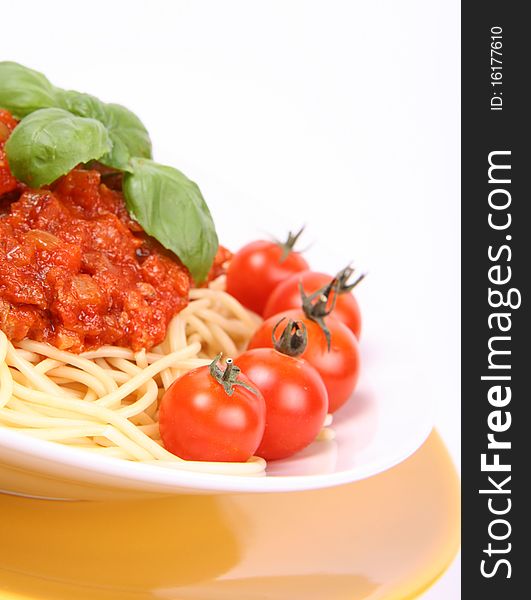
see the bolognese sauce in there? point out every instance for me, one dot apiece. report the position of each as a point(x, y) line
point(76, 271)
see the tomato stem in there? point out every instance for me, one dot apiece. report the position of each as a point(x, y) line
point(229, 367)
point(289, 245)
point(228, 378)
point(293, 340)
point(315, 306)
point(343, 276)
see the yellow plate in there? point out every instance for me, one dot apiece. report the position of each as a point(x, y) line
point(388, 537)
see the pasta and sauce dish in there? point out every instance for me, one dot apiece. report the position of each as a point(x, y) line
point(126, 330)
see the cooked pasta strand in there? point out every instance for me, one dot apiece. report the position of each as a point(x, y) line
point(106, 401)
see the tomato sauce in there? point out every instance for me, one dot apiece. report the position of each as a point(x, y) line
point(7, 182)
point(76, 271)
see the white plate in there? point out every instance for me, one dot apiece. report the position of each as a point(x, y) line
point(387, 419)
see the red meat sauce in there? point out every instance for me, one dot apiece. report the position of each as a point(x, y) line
point(76, 271)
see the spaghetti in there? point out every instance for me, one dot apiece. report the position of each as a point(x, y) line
point(79, 273)
point(106, 400)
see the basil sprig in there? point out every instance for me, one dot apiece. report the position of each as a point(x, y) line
point(60, 129)
point(176, 214)
point(128, 135)
point(50, 142)
point(23, 91)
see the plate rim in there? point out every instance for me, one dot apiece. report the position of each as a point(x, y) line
point(91, 467)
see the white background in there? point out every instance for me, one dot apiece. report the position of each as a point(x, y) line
point(344, 115)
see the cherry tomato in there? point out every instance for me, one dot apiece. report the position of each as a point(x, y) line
point(257, 268)
point(199, 420)
point(295, 396)
point(287, 295)
point(339, 367)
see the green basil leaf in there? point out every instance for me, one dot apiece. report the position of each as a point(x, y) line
point(128, 135)
point(171, 208)
point(50, 142)
point(82, 105)
point(23, 90)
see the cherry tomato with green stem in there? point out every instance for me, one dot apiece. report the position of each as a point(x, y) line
point(257, 268)
point(287, 295)
point(332, 347)
point(295, 395)
point(210, 414)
